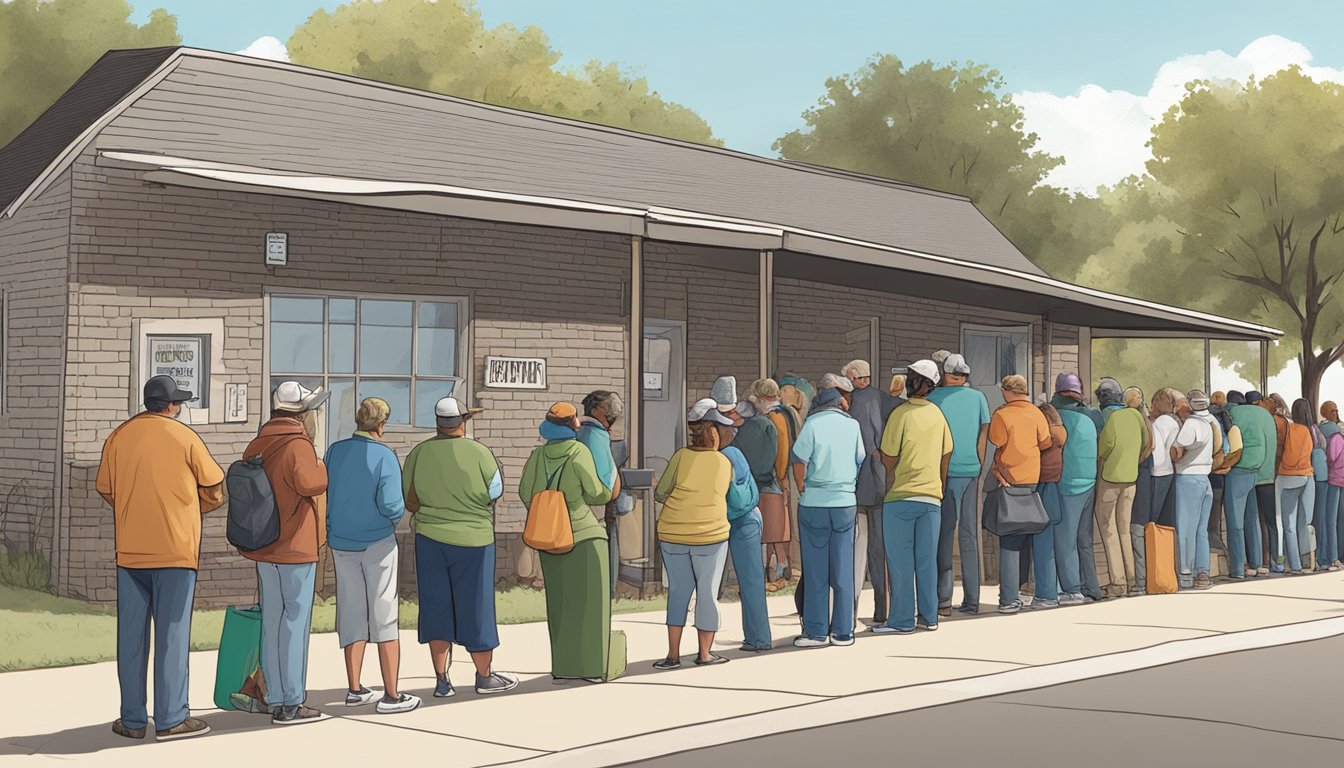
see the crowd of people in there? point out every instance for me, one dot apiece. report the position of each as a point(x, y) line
point(878, 486)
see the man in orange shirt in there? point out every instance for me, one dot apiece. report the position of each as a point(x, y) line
point(1019, 432)
point(159, 479)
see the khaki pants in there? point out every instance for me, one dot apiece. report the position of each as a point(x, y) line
point(1115, 505)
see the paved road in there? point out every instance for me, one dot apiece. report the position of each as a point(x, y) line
point(1253, 708)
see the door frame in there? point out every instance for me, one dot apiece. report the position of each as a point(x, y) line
point(1026, 329)
point(680, 390)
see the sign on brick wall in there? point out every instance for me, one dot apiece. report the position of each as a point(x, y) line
point(187, 360)
point(515, 372)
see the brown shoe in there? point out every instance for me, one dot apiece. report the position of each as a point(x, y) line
point(120, 729)
point(1202, 581)
point(184, 730)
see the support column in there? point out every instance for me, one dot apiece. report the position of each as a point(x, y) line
point(1048, 343)
point(1264, 366)
point(766, 302)
point(1208, 367)
point(1085, 359)
point(634, 366)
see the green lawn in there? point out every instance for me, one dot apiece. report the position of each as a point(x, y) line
point(42, 630)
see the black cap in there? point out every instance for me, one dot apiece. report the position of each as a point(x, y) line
point(165, 389)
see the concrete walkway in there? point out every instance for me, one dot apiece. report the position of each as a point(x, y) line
point(66, 713)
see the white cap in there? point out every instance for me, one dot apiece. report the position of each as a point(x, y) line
point(832, 381)
point(452, 408)
point(956, 364)
point(293, 397)
point(707, 409)
point(926, 368)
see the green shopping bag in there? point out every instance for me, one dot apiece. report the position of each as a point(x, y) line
point(239, 651)
point(616, 655)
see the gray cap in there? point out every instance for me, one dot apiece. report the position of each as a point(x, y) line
point(956, 364)
point(724, 392)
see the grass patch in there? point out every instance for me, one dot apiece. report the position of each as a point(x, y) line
point(38, 629)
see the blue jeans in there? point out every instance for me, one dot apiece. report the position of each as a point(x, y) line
point(1327, 534)
point(1194, 504)
point(1296, 498)
point(911, 532)
point(164, 595)
point(1073, 510)
point(694, 569)
point(1239, 507)
point(286, 620)
point(1043, 545)
point(960, 518)
point(744, 542)
point(1324, 541)
point(828, 570)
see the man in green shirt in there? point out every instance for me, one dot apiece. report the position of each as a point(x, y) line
point(1120, 447)
point(451, 484)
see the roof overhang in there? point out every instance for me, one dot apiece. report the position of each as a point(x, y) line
point(865, 264)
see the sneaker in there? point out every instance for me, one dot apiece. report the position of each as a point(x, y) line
point(713, 659)
point(120, 729)
point(883, 629)
point(1251, 572)
point(1277, 568)
point(1011, 608)
point(360, 697)
point(1094, 598)
point(184, 730)
point(1335, 566)
point(403, 703)
point(842, 640)
point(667, 664)
point(1138, 590)
point(803, 641)
point(1072, 598)
point(1262, 571)
point(496, 682)
point(295, 715)
point(252, 705)
point(1041, 604)
point(749, 648)
point(926, 626)
point(970, 609)
point(945, 611)
point(443, 689)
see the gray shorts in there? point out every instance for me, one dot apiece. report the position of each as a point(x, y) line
point(366, 593)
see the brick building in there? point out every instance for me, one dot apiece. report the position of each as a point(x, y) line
point(140, 226)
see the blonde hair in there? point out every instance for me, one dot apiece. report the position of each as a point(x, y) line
point(1014, 383)
point(1134, 399)
point(762, 388)
point(897, 387)
point(373, 412)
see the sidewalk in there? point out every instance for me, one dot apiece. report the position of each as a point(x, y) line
point(66, 713)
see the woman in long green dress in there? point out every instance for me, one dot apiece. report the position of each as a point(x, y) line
point(578, 601)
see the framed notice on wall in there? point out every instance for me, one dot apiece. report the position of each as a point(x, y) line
point(515, 372)
point(186, 359)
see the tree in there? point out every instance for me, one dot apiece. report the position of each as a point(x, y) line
point(445, 47)
point(951, 128)
point(45, 45)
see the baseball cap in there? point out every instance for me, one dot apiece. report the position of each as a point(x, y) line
point(165, 388)
point(1198, 400)
point(926, 368)
point(1069, 382)
point(956, 365)
point(452, 408)
point(707, 409)
point(293, 397)
point(562, 412)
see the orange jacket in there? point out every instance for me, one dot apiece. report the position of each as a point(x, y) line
point(299, 481)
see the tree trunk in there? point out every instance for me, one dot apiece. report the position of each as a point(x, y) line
point(1313, 369)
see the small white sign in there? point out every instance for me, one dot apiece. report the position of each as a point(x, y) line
point(184, 358)
point(235, 403)
point(515, 372)
point(277, 249)
point(653, 381)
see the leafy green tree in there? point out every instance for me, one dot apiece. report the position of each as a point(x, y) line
point(445, 47)
point(45, 45)
point(951, 128)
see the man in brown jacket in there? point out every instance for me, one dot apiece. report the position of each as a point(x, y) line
point(286, 569)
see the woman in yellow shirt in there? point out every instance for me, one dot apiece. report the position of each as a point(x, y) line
point(693, 532)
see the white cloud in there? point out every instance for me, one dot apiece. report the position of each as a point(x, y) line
point(266, 48)
point(1102, 134)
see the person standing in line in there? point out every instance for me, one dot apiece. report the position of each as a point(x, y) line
point(1334, 453)
point(940, 359)
point(693, 533)
point(1196, 448)
point(869, 407)
point(1074, 559)
point(758, 439)
point(1218, 409)
point(1324, 554)
point(286, 569)
point(897, 390)
point(1020, 433)
point(159, 479)
point(830, 448)
point(1330, 513)
point(452, 484)
point(967, 414)
point(1266, 500)
point(744, 537)
point(916, 451)
point(601, 409)
point(1254, 425)
point(1295, 486)
point(1121, 446)
point(1045, 560)
point(364, 505)
point(1160, 504)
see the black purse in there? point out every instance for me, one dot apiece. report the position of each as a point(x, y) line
point(1014, 510)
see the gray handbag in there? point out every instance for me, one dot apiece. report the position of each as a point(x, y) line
point(1014, 510)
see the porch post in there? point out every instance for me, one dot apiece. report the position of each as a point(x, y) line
point(1208, 367)
point(1264, 365)
point(634, 366)
point(766, 304)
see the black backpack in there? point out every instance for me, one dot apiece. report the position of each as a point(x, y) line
point(253, 519)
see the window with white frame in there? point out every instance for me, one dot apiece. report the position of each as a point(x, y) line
point(406, 350)
point(993, 352)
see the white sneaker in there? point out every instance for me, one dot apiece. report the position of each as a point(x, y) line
point(803, 641)
point(405, 703)
point(1013, 607)
point(1071, 599)
point(1042, 604)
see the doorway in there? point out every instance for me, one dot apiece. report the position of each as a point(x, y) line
point(993, 352)
point(664, 392)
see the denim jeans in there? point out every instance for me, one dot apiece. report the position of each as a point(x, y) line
point(959, 518)
point(877, 563)
point(911, 531)
point(1073, 509)
point(1238, 507)
point(744, 542)
point(1324, 543)
point(1267, 505)
point(1043, 545)
point(1296, 497)
point(694, 569)
point(1087, 558)
point(828, 568)
point(286, 620)
point(165, 596)
point(1327, 531)
point(1194, 504)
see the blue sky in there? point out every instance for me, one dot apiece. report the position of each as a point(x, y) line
point(750, 67)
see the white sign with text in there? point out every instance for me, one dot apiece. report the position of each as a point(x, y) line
point(515, 372)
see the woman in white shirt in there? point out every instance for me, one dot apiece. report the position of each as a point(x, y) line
point(1194, 447)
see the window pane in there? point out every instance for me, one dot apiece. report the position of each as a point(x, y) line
point(436, 345)
point(397, 393)
point(427, 393)
point(341, 348)
point(393, 313)
point(296, 347)
point(385, 338)
point(434, 314)
point(341, 310)
point(285, 309)
point(341, 410)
